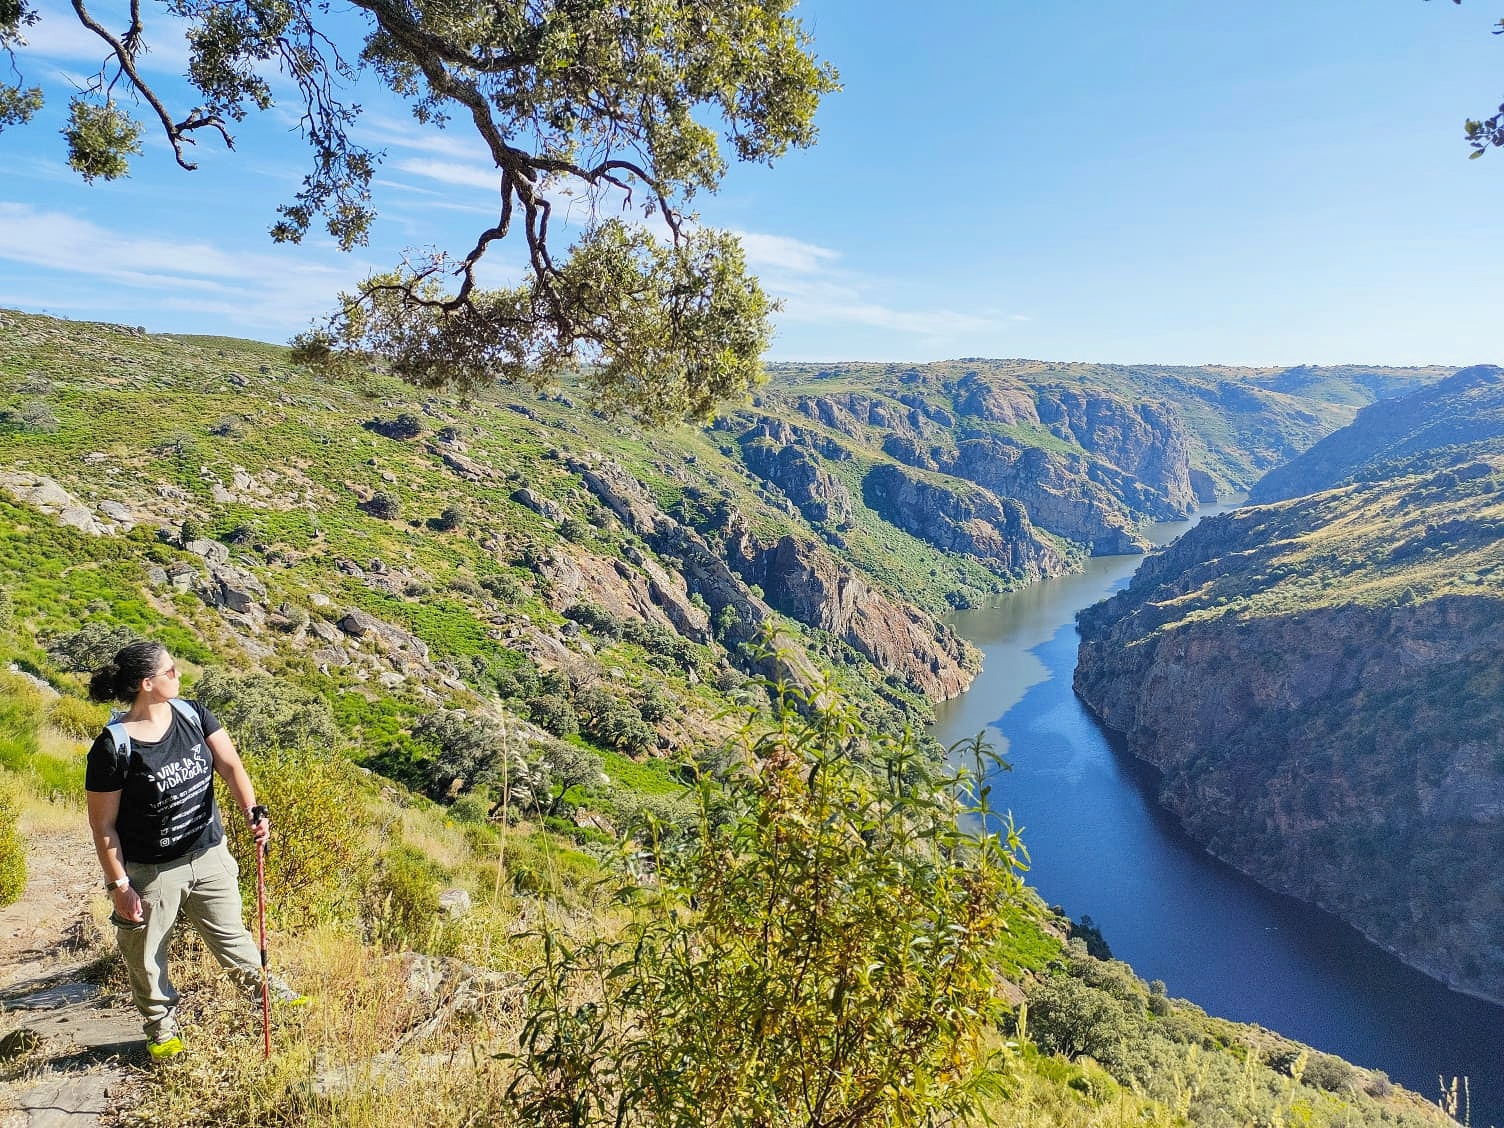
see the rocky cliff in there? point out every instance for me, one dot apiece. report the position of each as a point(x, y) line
point(1319, 684)
point(966, 519)
point(1464, 410)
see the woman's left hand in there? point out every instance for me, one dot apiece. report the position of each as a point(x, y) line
point(261, 829)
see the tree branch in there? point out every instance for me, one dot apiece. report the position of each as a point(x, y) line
point(125, 54)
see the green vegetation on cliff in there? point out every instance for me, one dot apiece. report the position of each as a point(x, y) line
point(544, 631)
point(1319, 680)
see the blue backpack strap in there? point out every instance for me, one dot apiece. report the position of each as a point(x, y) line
point(186, 710)
point(122, 739)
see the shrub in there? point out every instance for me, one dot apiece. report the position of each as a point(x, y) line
point(466, 586)
point(402, 904)
point(263, 713)
point(470, 752)
point(825, 932)
point(450, 519)
point(1330, 1073)
point(1065, 1016)
point(7, 610)
point(403, 428)
point(77, 718)
point(505, 588)
point(12, 849)
point(88, 649)
point(383, 505)
point(318, 860)
point(551, 711)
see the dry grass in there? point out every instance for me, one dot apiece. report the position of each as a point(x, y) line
point(356, 1057)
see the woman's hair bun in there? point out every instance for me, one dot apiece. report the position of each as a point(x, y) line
point(102, 682)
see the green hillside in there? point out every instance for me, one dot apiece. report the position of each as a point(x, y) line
point(511, 648)
point(1319, 679)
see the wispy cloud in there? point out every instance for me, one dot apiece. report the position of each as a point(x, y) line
point(779, 252)
point(59, 35)
point(130, 273)
point(451, 172)
point(815, 289)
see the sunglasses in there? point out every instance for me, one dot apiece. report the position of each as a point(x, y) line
point(170, 672)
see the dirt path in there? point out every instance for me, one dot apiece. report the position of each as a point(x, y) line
point(69, 1050)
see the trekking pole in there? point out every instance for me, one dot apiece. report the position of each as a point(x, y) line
point(266, 991)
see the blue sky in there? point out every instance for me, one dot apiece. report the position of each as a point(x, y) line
point(1237, 182)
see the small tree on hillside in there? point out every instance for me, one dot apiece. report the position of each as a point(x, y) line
point(820, 951)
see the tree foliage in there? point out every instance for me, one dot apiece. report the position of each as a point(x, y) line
point(1488, 133)
point(818, 951)
point(263, 713)
point(12, 848)
point(606, 109)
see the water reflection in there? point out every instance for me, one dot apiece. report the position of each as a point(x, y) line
point(1102, 846)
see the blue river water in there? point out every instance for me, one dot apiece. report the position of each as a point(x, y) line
point(1101, 846)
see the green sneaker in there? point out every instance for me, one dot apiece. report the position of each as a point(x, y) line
point(290, 1000)
point(166, 1048)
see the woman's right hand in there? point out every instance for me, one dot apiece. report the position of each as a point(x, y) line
point(127, 903)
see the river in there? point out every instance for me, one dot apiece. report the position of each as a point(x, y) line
point(1102, 847)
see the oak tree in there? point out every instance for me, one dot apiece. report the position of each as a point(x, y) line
point(628, 105)
point(1489, 132)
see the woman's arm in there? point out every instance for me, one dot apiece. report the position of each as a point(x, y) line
point(104, 809)
point(230, 768)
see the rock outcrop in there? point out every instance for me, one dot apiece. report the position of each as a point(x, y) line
point(1344, 752)
point(807, 583)
point(996, 531)
point(1144, 440)
point(773, 452)
point(800, 579)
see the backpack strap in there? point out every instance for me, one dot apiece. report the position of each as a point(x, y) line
point(186, 710)
point(122, 739)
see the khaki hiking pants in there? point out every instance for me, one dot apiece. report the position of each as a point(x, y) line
point(204, 887)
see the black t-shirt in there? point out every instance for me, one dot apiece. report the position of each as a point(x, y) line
point(167, 804)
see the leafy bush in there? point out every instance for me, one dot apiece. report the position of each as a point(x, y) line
point(264, 713)
point(450, 519)
point(403, 428)
point(77, 718)
point(506, 589)
point(318, 860)
point(624, 729)
point(825, 933)
point(552, 711)
point(469, 752)
point(383, 505)
point(1068, 1017)
point(402, 905)
point(12, 849)
point(89, 648)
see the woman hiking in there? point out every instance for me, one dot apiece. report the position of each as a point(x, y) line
point(156, 827)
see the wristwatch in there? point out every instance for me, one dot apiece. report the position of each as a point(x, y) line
point(118, 883)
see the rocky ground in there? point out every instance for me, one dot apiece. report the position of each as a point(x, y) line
point(71, 1050)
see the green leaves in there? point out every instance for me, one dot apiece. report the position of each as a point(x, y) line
point(662, 330)
point(821, 951)
point(619, 107)
point(18, 105)
point(101, 138)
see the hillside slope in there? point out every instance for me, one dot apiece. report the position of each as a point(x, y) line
point(1433, 426)
point(1319, 681)
point(443, 572)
